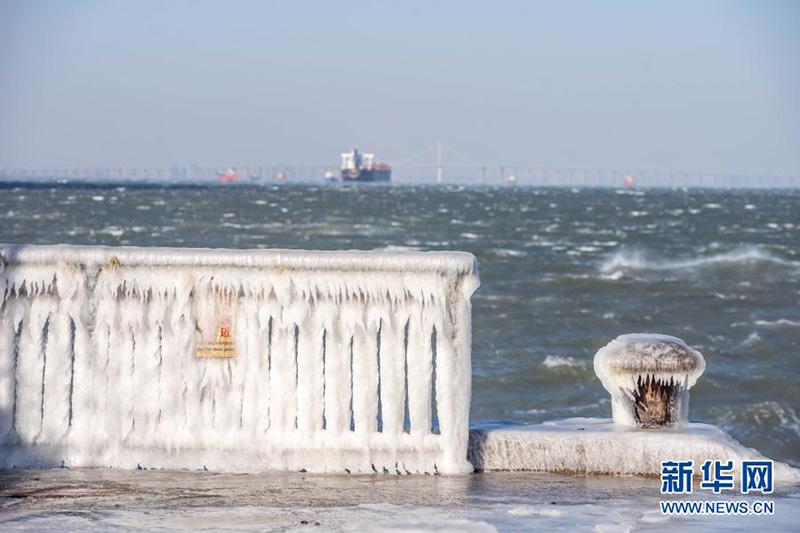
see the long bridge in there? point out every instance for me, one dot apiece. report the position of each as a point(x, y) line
point(439, 163)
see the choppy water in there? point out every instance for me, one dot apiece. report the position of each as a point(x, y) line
point(563, 272)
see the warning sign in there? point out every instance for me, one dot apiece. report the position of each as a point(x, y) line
point(214, 333)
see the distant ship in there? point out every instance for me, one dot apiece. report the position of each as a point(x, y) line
point(629, 181)
point(362, 167)
point(228, 176)
point(330, 176)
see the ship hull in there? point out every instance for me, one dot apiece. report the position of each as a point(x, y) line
point(365, 175)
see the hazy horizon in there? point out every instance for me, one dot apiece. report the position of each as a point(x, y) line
point(687, 86)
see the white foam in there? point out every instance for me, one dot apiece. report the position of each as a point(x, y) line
point(639, 260)
point(753, 338)
point(764, 415)
point(781, 322)
point(507, 252)
point(555, 361)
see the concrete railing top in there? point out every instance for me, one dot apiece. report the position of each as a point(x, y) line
point(457, 263)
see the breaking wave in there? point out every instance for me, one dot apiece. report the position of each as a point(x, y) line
point(744, 255)
point(555, 361)
point(761, 416)
point(508, 252)
point(781, 322)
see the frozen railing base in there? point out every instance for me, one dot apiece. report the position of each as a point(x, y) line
point(315, 460)
point(235, 359)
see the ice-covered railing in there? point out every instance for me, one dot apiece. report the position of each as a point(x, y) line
point(235, 359)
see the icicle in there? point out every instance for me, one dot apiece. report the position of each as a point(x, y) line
point(184, 400)
point(252, 355)
point(419, 372)
point(170, 394)
point(57, 376)
point(7, 362)
point(30, 368)
point(123, 360)
point(14, 313)
point(262, 408)
point(228, 420)
point(282, 378)
point(365, 375)
point(147, 370)
point(392, 371)
point(104, 324)
point(84, 358)
point(334, 368)
point(309, 376)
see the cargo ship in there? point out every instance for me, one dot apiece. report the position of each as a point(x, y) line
point(357, 166)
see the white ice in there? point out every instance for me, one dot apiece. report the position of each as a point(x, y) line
point(600, 446)
point(334, 367)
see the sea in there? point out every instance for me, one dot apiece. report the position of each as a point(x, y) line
point(563, 271)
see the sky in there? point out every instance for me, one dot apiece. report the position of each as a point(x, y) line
point(706, 86)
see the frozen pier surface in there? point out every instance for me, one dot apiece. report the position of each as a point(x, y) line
point(600, 446)
point(93, 499)
point(235, 359)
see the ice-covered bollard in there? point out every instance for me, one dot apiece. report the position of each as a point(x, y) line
point(649, 377)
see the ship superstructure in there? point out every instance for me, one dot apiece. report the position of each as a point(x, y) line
point(358, 166)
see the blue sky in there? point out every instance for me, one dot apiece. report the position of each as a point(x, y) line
point(702, 86)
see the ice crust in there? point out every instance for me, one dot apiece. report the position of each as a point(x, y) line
point(338, 358)
point(631, 359)
point(601, 446)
